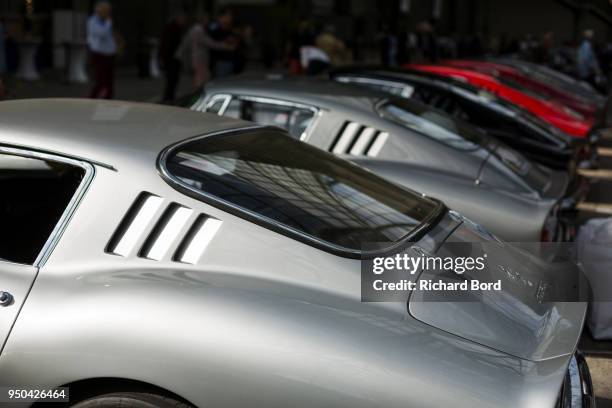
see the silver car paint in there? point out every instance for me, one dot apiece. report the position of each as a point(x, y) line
point(513, 216)
point(239, 328)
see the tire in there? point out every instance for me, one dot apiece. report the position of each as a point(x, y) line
point(130, 400)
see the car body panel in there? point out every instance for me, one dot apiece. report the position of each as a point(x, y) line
point(585, 107)
point(16, 281)
point(557, 79)
point(515, 126)
point(351, 104)
point(555, 114)
point(260, 319)
point(459, 192)
point(523, 320)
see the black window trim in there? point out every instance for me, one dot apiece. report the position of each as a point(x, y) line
point(75, 200)
point(414, 235)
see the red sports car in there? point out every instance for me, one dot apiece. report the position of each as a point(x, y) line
point(555, 113)
point(514, 77)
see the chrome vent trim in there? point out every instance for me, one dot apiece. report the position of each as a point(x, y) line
point(197, 239)
point(358, 140)
point(152, 232)
point(134, 224)
point(165, 232)
point(378, 144)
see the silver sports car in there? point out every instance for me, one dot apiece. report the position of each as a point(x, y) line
point(157, 257)
point(412, 144)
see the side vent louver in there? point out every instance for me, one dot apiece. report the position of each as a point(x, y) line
point(197, 239)
point(175, 232)
point(358, 140)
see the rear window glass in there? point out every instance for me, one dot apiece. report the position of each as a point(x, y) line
point(303, 189)
point(433, 123)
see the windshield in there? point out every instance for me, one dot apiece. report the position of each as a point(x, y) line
point(299, 188)
point(433, 123)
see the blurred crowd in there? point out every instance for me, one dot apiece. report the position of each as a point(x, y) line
point(206, 46)
point(586, 59)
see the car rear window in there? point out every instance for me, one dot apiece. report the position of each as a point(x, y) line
point(267, 176)
point(432, 123)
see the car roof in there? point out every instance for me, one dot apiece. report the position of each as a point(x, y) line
point(312, 91)
point(381, 72)
point(103, 131)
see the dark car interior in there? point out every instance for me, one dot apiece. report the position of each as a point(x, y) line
point(35, 194)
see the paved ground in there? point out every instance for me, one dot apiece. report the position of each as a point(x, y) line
point(130, 87)
point(127, 87)
point(601, 372)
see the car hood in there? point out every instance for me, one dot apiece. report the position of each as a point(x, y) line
point(532, 317)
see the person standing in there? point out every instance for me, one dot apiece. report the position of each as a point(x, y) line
point(221, 30)
point(195, 48)
point(301, 37)
point(3, 68)
point(103, 48)
point(332, 46)
point(588, 66)
point(171, 65)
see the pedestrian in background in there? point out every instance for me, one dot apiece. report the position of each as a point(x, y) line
point(588, 66)
point(302, 36)
point(3, 66)
point(103, 48)
point(170, 42)
point(195, 48)
point(332, 46)
point(222, 31)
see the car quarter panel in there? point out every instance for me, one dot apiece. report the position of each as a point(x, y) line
point(337, 111)
point(261, 319)
point(502, 213)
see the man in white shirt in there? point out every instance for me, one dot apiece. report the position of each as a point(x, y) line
point(103, 47)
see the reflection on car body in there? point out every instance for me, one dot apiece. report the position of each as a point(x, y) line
point(193, 260)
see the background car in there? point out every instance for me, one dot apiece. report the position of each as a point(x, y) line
point(177, 259)
point(508, 75)
point(554, 78)
point(414, 145)
point(558, 115)
point(515, 126)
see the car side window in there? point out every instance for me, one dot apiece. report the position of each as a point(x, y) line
point(234, 109)
point(35, 195)
point(215, 106)
point(293, 119)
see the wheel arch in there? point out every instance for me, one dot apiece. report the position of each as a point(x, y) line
point(86, 388)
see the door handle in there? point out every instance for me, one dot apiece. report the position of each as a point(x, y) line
point(5, 298)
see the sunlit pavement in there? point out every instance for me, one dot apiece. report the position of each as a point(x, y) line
point(601, 368)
